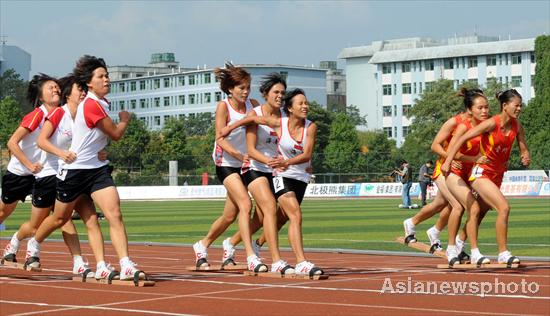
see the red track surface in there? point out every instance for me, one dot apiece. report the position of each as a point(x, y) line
point(354, 288)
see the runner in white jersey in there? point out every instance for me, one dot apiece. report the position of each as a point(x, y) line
point(258, 175)
point(43, 92)
point(296, 142)
point(87, 174)
point(229, 155)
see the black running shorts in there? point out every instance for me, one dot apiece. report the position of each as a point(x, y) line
point(83, 181)
point(44, 192)
point(16, 188)
point(224, 172)
point(251, 175)
point(293, 185)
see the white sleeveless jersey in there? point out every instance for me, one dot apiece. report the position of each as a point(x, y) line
point(32, 122)
point(289, 148)
point(61, 138)
point(237, 138)
point(88, 139)
point(266, 143)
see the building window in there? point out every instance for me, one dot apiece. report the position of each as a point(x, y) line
point(156, 83)
point(142, 103)
point(406, 110)
point(157, 102)
point(406, 130)
point(429, 65)
point(414, 88)
point(474, 81)
point(122, 87)
point(420, 87)
point(406, 67)
point(284, 74)
point(121, 103)
point(386, 110)
point(181, 99)
point(157, 120)
point(406, 88)
point(472, 62)
point(133, 86)
point(167, 82)
point(218, 96)
point(125, 76)
point(386, 68)
point(448, 63)
point(207, 78)
point(166, 118)
point(207, 97)
point(133, 104)
point(181, 80)
point(533, 60)
point(142, 85)
point(191, 99)
point(166, 101)
point(516, 59)
point(516, 81)
point(532, 80)
point(191, 79)
point(386, 89)
point(491, 60)
point(336, 86)
point(429, 85)
point(387, 131)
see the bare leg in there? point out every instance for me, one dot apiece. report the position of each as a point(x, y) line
point(85, 207)
point(221, 224)
point(289, 204)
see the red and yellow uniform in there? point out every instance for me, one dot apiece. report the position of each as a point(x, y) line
point(470, 148)
point(441, 160)
point(497, 148)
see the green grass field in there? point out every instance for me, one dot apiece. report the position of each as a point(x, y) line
point(366, 224)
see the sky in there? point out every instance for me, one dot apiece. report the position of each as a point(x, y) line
point(206, 33)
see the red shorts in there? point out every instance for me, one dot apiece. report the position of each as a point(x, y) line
point(463, 173)
point(478, 172)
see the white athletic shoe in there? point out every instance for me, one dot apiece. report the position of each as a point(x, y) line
point(434, 238)
point(452, 254)
point(103, 271)
point(32, 259)
point(255, 264)
point(409, 229)
point(80, 267)
point(10, 252)
point(306, 267)
point(128, 270)
point(479, 259)
point(201, 255)
point(459, 244)
point(506, 256)
point(228, 252)
point(282, 267)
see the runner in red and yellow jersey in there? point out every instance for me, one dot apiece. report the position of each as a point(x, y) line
point(498, 136)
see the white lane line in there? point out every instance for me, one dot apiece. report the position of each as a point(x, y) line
point(88, 307)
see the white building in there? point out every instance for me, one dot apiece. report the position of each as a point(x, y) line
point(384, 79)
point(155, 98)
point(13, 57)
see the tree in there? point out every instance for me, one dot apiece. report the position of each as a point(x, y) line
point(126, 153)
point(10, 117)
point(342, 151)
point(535, 116)
point(435, 106)
point(355, 116)
point(175, 141)
point(199, 124)
point(380, 154)
point(11, 85)
point(322, 119)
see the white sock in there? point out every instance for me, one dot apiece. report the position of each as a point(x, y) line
point(459, 241)
point(14, 240)
point(77, 259)
point(435, 230)
point(476, 253)
point(451, 248)
point(410, 223)
point(124, 261)
point(504, 253)
point(100, 264)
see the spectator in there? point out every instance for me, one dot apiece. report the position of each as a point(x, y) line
point(406, 179)
point(424, 179)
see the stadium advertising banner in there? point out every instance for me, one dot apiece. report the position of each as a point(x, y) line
point(525, 176)
point(328, 190)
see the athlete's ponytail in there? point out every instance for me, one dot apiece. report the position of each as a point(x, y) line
point(34, 91)
point(506, 96)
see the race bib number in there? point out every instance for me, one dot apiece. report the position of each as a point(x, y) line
point(278, 183)
point(61, 174)
point(477, 172)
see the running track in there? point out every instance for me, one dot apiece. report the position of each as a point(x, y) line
point(354, 288)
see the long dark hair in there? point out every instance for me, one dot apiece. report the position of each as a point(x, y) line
point(34, 91)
